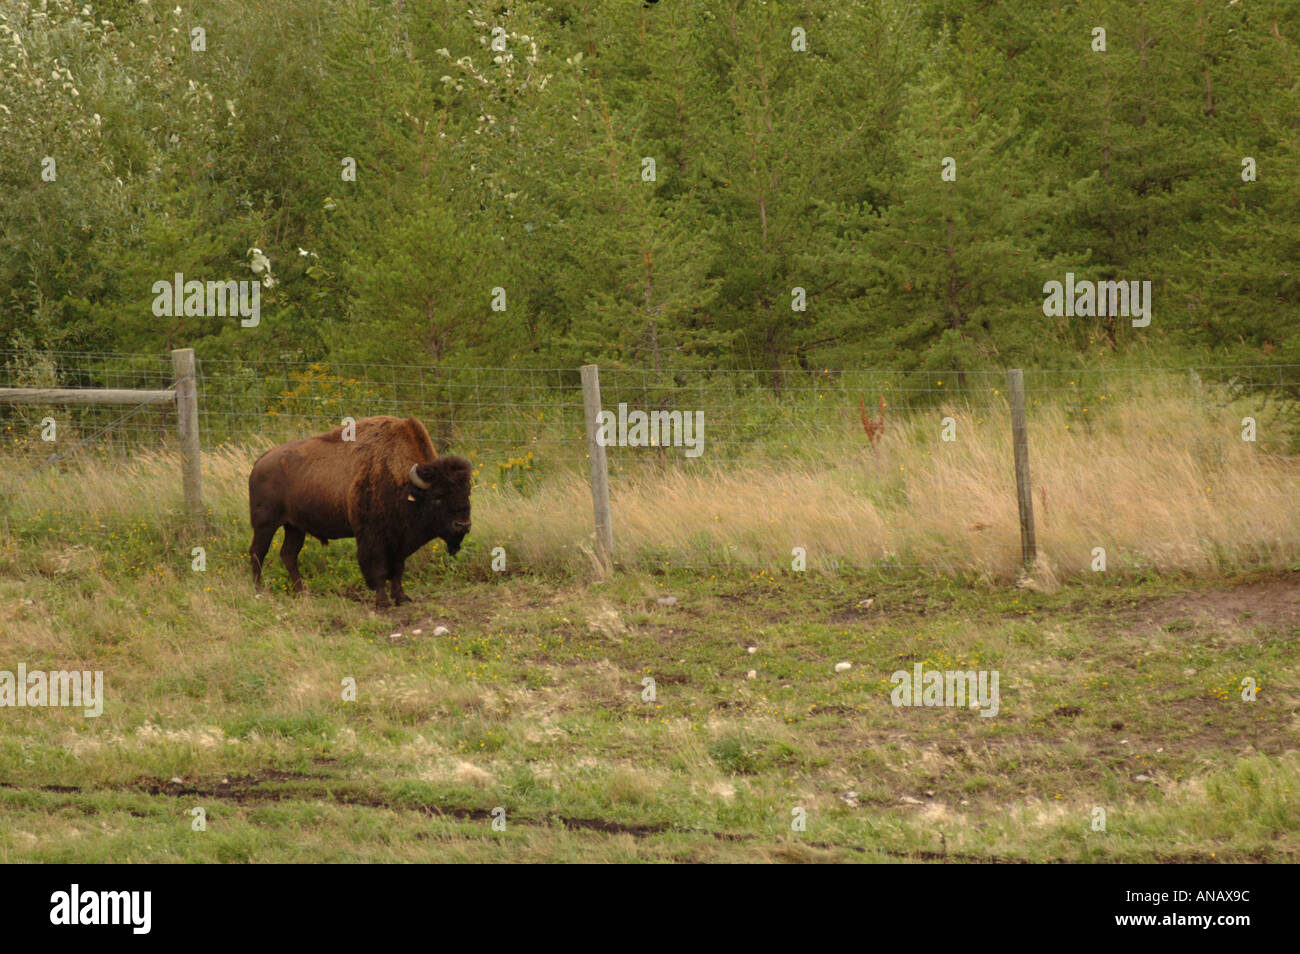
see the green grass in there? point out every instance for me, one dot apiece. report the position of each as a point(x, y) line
point(1119, 691)
point(1119, 694)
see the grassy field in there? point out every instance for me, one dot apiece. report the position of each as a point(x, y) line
point(1119, 697)
point(1119, 691)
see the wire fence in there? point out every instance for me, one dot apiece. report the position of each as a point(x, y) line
point(498, 415)
point(521, 425)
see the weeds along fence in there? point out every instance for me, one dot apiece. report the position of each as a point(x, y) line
point(869, 467)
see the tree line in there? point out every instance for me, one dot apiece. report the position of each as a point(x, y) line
point(705, 184)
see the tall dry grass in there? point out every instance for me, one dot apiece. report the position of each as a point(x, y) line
point(1159, 480)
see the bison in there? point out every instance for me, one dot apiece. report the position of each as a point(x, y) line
point(387, 487)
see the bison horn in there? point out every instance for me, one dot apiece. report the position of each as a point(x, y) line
point(415, 478)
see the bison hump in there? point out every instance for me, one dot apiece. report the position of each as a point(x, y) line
point(400, 443)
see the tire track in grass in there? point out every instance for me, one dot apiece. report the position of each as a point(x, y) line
point(243, 790)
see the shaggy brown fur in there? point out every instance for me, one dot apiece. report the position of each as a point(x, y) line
point(328, 487)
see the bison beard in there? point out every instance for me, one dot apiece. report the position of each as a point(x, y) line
point(388, 488)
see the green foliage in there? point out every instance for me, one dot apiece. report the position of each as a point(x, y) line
point(506, 148)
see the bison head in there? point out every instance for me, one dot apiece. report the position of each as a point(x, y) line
point(439, 492)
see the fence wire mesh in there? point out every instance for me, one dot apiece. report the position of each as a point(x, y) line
point(522, 425)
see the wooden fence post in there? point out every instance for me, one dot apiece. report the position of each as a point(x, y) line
point(599, 469)
point(1024, 494)
point(187, 416)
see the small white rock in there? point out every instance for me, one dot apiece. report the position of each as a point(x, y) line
point(751, 649)
point(752, 674)
point(416, 632)
point(843, 666)
point(667, 601)
point(441, 631)
point(176, 781)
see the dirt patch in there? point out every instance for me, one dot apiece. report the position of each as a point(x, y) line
point(885, 607)
point(663, 635)
point(1271, 604)
point(236, 788)
point(673, 678)
point(261, 788)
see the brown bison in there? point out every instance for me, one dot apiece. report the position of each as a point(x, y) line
point(388, 488)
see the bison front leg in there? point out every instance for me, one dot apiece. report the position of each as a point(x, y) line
point(374, 568)
point(395, 583)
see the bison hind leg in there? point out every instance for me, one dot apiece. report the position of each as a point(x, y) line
point(262, 537)
point(293, 541)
